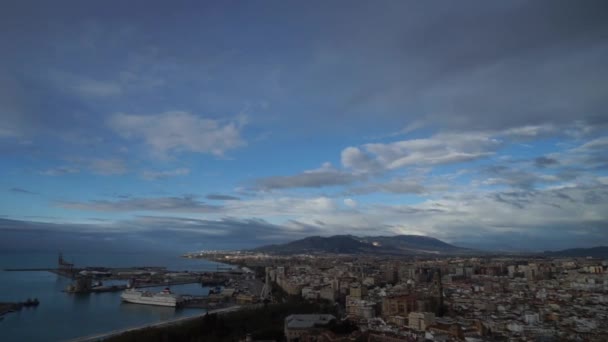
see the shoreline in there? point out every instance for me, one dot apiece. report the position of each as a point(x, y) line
point(106, 335)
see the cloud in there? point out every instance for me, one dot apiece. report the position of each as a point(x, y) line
point(394, 186)
point(560, 217)
point(544, 161)
point(349, 202)
point(154, 175)
point(17, 190)
point(355, 159)
point(518, 178)
point(174, 132)
point(324, 176)
point(590, 156)
point(165, 233)
point(185, 203)
point(444, 148)
point(221, 197)
point(60, 171)
point(230, 229)
point(107, 167)
point(8, 132)
point(85, 86)
point(530, 131)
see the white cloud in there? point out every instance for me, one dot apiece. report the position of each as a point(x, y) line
point(179, 132)
point(153, 175)
point(6, 132)
point(551, 215)
point(355, 159)
point(86, 86)
point(59, 171)
point(108, 167)
point(97, 88)
point(442, 148)
point(530, 131)
point(186, 203)
point(349, 202)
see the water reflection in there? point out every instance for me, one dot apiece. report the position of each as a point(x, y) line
point(163, 312)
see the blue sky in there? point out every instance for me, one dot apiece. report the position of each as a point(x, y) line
point(189, 125)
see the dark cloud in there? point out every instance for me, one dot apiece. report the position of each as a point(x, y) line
point(60, 171)
point(469, 67)
point(186, 203)
point(455, 66)
point(413, 211)
point(221, 197)
point(517, 178)
point(529, 241)
point(148, 232)
point(394, 186)
point(323, 177)
point(517, 199)
point(17, 190)
point(543, 161)
point(250, 231)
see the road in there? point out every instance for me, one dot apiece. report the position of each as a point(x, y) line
point(106, 335)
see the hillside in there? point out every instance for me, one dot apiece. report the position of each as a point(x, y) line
point(348, 244)
point(595, 252)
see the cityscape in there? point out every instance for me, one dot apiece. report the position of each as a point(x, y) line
point(303, 171)
point(448, 298)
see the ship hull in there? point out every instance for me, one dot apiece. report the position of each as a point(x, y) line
point(148, 302)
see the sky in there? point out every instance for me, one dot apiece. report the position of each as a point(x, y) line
point(188, 125)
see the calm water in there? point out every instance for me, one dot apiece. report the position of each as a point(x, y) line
point(62, 316)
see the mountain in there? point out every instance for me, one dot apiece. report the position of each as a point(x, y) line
point(595, 252)
point(349, 244)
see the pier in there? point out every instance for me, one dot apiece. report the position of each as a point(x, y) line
point(68, 273)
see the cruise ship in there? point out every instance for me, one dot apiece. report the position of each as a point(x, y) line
point(163, 298)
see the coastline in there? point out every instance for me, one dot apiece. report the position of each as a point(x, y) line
point(80, 311)
point(106, 335)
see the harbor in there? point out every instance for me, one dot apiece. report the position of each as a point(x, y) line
point(204, 285)
point(92, 279)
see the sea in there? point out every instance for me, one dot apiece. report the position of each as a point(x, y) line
point(62, 316)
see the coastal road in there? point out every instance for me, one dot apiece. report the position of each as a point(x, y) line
point(106, 335)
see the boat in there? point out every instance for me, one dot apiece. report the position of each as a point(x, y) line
point(31, 302)
point(163, 298)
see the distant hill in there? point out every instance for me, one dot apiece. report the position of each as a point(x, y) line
point(595, 252)
point(349, 244)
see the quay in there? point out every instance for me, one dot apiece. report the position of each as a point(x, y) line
point(116, 288)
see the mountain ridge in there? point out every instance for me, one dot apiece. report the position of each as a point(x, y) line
point(595, 252)
point(350, 244)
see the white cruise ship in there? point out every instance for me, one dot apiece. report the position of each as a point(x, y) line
point(163, 298)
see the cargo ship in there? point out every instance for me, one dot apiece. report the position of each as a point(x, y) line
point(163, 298)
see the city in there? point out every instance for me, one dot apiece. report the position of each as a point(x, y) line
point(444, 299)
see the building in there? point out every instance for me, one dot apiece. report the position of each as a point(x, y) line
point(297, 326)
point(420, 320)
point(398, 305)
point(360, 308)
point(357, 291)
point(327, 293)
